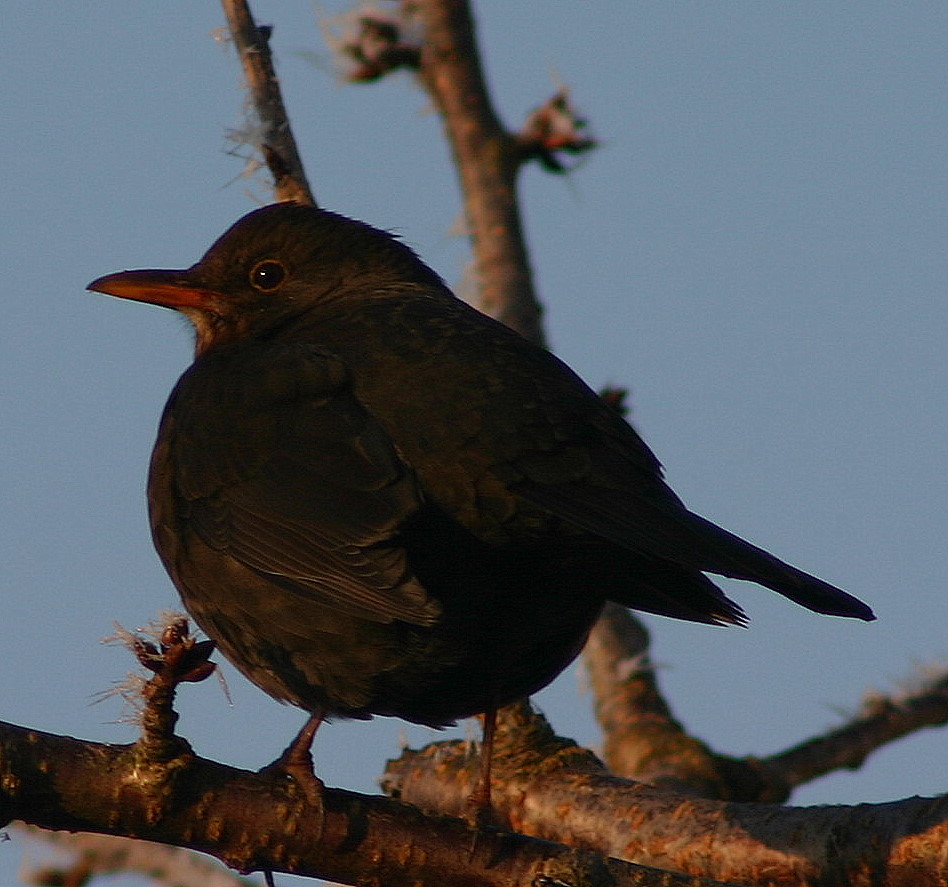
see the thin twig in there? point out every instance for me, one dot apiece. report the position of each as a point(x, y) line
point(644, 741)
point(276, 142)
point(882, 720)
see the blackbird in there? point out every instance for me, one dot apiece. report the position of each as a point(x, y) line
point(379, 501)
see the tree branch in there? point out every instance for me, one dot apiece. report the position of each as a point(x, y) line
point(644, 741)
point(276, 140)
point(487, 160)
point(900, 843)
point(882, 720)
point(256, 822)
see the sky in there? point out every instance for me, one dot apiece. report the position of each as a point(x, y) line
point(757, 251)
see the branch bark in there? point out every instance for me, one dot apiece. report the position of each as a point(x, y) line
point(642, 739)
point(544, 794)
point(255, 822)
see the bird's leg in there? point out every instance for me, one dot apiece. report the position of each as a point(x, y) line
point(297, 761)
point(479, 803)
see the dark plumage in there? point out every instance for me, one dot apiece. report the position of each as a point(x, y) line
point(379, 501)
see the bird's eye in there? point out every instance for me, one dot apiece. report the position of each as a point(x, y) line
point(267, 275)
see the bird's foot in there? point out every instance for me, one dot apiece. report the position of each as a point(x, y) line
point(296, 762)
point(478, 811)
point(480, 816)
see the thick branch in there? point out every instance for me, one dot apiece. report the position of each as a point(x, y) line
point(276, 139)
point(255, 822)
point(487, 159)
point(900, 843)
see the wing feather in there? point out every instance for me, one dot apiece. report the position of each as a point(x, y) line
point(295, 479)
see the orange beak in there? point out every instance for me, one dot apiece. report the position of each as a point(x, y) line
point(172, 289)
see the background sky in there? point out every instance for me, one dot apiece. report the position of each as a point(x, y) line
point(758, 251)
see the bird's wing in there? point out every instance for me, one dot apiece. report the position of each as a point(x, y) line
point(604, 479)
point(592, 469)
point(274, 462)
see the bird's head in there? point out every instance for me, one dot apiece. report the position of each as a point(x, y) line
point(274, 264)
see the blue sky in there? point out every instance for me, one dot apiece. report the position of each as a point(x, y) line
point(757, 250)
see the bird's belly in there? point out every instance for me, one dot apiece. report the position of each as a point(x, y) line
point(498, 639)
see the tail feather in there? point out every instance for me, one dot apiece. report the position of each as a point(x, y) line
point(658, 529)
point(728, 555)
point(669, 589)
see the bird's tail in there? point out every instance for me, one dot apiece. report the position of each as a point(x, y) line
point(728, 555)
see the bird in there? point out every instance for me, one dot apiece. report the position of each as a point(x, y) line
point(377, 500)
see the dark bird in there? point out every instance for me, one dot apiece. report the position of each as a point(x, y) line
point(378, 501)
